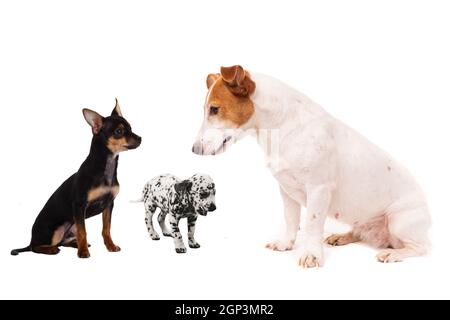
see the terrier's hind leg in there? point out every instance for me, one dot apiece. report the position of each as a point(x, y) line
point(342, 239)
point(409, 233)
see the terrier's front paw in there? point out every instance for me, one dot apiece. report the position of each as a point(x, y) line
point(180, 250)
point(311, 257)
point(281, 245)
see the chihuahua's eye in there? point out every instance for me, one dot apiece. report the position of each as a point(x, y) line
point(213, 110)
point(204, 195)
point(118, 132)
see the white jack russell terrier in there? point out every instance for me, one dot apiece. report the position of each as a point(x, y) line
point(319, 163)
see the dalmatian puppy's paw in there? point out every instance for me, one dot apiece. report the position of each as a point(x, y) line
point(154, 236)
point(181, 250)
point(194, 245)
point(168, 234)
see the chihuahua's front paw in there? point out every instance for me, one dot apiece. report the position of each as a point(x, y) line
point(109, 244)
point(280, 245)
point(311, 258)
point(180, 250)
point(113, 248)
point(83, 253)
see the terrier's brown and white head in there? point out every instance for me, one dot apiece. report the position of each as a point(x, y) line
point(228, 110)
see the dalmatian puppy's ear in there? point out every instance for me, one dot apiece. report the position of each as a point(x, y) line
point(183, 187)
point(180, 197)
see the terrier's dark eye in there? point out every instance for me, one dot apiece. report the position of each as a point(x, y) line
point(204, 195)
point(213, 110)
point(118, 132)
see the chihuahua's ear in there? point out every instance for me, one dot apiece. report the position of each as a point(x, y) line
point(211, 79)
point(94, 119)
point(117, 111)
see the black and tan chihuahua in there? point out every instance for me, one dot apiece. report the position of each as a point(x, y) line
point(86, 193)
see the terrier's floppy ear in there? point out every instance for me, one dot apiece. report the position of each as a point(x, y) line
point(117, 111)
point(234, 76)
point(237, 80)
point(211, 79)
point(183, 186)
point(94, 119)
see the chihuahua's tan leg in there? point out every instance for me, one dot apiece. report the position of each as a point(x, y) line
point(106, 232)
point(83, 251)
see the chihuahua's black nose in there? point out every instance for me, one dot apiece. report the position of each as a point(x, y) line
point(138, 140)
point(212, 207)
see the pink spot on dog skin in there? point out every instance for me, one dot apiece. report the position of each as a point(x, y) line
point(389, 168)
point(337, 215)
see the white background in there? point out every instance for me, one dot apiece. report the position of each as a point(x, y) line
point(382, 67)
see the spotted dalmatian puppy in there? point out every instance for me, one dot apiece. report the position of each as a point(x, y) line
point(178, 199)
